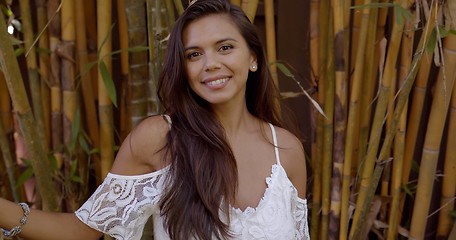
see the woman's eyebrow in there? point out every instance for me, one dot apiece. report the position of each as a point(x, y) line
point(218, 42)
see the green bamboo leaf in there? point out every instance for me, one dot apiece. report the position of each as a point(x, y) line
point(432, 41)
point(398, 15)
point(94, 151)
point(108, 82)
point(401, 14)
point(75, 131)
point(19, 51)
point(52, 162)
point(284, 69)
point(73, 168)
point(84, 145)
point(76, 179)
point(452, 31)
point(26, 175)
point(408, 191)
point(6, 11)
point(41, 50)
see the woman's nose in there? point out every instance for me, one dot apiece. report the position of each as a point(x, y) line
point(212, 63)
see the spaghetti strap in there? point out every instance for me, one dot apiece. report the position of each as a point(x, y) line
point(168, 120)
point(274, 139)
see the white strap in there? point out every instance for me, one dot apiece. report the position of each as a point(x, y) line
point(168, 119)
point(274, 139)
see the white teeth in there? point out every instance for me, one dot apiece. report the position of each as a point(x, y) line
point(217, 82)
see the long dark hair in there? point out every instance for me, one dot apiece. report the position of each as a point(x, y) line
point(203, 171)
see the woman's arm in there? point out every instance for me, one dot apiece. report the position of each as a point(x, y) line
point(138, 154)
point(45, 225)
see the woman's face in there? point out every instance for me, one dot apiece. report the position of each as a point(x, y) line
point(217, 59)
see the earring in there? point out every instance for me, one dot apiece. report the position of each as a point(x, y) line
point(253, 67)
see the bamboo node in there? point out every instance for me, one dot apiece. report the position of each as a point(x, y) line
point(384, 161)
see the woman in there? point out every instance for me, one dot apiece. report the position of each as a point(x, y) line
point(199, 170)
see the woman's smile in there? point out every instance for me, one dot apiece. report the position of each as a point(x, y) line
point(216, 82)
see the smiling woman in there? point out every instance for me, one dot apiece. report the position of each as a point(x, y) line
point(218, 60)
point(219, 164)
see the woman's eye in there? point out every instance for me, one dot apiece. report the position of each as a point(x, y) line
point(193, 55)
point(225, 47)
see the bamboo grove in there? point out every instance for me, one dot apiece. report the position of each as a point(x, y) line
point(382, 162)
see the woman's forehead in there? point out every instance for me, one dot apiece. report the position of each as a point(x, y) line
point(214, 27)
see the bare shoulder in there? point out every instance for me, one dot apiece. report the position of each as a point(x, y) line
point(140, 152)
point(293, 159)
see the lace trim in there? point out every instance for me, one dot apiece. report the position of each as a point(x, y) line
point(269, 182)
point(302, 227)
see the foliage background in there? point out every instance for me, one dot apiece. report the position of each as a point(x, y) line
point(77, 75)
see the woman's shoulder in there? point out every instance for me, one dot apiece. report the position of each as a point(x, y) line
point(292, 157)
point(142, 150)
point(287, 140)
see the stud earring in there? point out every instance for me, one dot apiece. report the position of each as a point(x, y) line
point(254, 67)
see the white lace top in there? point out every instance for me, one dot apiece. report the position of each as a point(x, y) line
point(121, 205)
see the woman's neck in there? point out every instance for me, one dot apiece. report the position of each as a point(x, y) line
point(235, 119)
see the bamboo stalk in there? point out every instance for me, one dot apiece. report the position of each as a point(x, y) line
point(250, 8)
point(54, 80)
point(87, 92)
point(377, 125)
point(69, 97)
point(449, 178)
point(158, 24)
point(236, 2)
point(328, 129)
point(170, 11)
point(340, 113)
point(356, 16)
point(32, 69)
point(436, 124)
point(104, 102)
point(125, 111)
point(5, 106)
point(386, 147)
point(416, 108)
point(317, 119)
point(406, 56)
point(375, 49)
point(139, 67)
point(353, 119)
point(18, 95)
point(179, 6)
point(271, 38)
point(4, 144)
point(90, 15)
point(44, 63)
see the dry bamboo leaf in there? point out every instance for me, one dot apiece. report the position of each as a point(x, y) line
point(285, 70)
point(402, 231)
point(380, 224)
point(371, 216)
point(285, 95)
point(450, 14)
